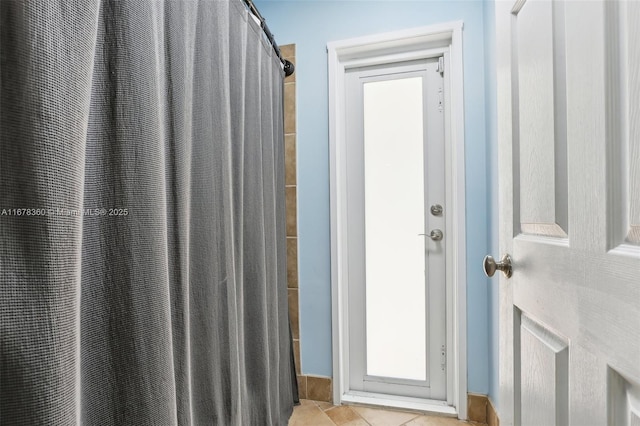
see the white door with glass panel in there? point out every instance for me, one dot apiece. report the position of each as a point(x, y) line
point(396, 229)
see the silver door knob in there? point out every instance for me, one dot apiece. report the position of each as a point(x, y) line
point(491, 266)
point(436, 235)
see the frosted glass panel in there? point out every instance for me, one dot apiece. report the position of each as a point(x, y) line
point(394, 216)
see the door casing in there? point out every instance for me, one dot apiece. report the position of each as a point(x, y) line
point(401, 46)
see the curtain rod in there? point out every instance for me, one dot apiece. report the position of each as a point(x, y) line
point(287, 65)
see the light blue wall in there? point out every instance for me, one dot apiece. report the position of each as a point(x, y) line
point(310, 25)
point(491, 112)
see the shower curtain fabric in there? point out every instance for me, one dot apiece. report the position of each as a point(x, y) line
point(142, 234)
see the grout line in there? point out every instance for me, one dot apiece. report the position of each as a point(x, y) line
point(410, 420)
point(322, 411)
point(358, 414)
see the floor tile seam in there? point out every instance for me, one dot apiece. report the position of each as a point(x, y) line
point(315, 406)
point(349, 407)
point(389, 411)
point(410, 420)
point(359, 415)
point(324, 412)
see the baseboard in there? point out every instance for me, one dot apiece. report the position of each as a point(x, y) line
point(480, 409)
point(316, 388)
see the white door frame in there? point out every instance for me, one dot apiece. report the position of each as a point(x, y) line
point(419, 43)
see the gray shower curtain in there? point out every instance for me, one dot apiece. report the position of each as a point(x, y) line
point(142, 242)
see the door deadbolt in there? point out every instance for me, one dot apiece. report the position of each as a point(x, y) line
point(436, 210)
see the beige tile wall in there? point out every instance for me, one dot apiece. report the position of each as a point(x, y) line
point(311, 387)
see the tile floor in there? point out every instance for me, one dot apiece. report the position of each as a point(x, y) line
point(313, 413)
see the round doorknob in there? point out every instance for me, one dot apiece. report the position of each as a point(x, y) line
point(436, 235)
point(491, 266)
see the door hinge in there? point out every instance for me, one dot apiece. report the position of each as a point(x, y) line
point(443, 359)
point(441, 65)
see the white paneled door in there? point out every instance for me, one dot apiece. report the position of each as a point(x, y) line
point(569, 158)
point(396, 229)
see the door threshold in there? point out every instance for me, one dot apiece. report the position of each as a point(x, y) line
point(427, 406)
